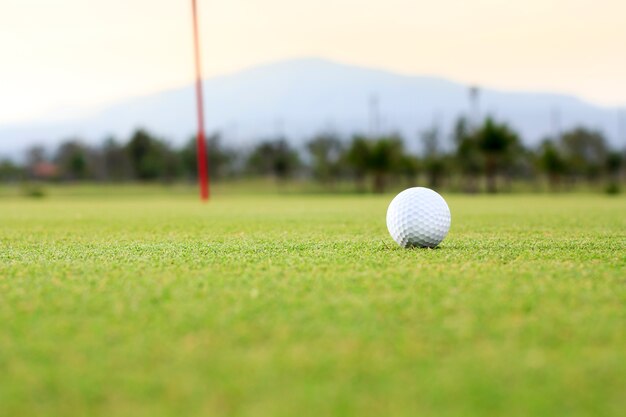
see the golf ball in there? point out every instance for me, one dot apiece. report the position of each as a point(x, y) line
point(418, 216)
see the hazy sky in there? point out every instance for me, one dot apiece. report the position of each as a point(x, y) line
point(59, 58)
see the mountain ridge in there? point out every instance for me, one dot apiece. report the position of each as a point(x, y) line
point(299, 97)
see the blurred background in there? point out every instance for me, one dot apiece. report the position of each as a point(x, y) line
point(332, 95)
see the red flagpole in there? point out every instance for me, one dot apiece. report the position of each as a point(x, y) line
point(203, 171)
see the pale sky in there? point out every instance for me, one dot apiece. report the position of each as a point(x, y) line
point(63, 57)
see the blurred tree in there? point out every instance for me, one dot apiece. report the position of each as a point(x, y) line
point(357, 157)
point(551, 163)
point(116, 161)
point(379, 158)
point(35, 155)
point(221, 160)
point(468, 157)
point(434, 160)
point(517, 163)
point(326, 152)
point(10, 171)
point(385, 159)
point(496, 141)
point(172, 165)
point(409, 168)
point(274, 157)
point(38, 164)
point(147, 156)
point(71, 158)
point(614, 161)
point(585, 152)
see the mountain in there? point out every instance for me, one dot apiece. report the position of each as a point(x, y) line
point(301, 97)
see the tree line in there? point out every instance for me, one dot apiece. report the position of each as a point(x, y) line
point(487, 157)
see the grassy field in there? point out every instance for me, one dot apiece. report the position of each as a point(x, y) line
point(155, 305)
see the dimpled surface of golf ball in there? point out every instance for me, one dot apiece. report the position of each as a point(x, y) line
point(418, 217)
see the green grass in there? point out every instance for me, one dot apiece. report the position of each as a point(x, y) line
point(155, 305)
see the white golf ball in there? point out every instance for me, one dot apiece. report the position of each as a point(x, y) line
point(418, 217)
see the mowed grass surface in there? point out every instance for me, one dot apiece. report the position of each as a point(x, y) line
point(157, 305)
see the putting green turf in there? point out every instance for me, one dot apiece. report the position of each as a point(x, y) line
point(155, 305)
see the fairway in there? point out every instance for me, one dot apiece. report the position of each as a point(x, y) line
point(301, 305)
